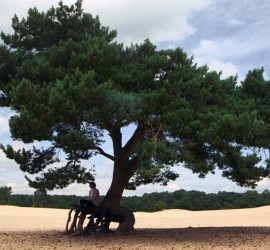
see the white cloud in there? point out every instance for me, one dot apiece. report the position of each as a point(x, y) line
point(209, 49)
point(205, 47)
point(138, 20)
point(228, 69)
point(21, 187)
point(76, 189)
point(265, 75)
point(12, 185)
point(226, 49)
point(4, 117)
point(4, 124)
point(5, 163)
point(235, 22)
point(229, 188)
point(211, 53)
point(135, 21)
point(264, 184)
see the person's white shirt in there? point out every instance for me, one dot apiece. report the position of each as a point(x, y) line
point(94, 196)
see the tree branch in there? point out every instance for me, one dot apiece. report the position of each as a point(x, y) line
point(138, 133)
point(101, 151)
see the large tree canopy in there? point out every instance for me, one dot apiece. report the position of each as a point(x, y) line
point(70, 84)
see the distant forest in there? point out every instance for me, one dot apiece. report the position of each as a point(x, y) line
point(182, 199)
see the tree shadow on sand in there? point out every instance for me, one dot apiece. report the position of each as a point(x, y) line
point(148, 238)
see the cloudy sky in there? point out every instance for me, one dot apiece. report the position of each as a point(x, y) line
point(231, 36)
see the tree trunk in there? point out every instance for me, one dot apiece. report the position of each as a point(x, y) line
point(122, 172)
point(111, 203)
point(120, 179)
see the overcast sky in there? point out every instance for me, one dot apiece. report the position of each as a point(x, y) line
point(231, 36)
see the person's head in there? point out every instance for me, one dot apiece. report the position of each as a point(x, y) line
point(92, 184)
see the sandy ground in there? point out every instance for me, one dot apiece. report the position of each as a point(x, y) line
point(39, 228)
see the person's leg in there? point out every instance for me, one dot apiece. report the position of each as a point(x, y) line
point(83, 205)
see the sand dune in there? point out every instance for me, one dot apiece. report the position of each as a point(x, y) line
point(41, 228)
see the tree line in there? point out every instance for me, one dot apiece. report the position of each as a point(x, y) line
point(181, 199)
point(196, 200)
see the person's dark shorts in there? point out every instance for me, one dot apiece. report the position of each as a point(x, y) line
point(86, 204)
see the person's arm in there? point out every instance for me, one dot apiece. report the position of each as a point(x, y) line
point(89, 195)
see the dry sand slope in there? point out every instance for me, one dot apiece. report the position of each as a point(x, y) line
point(39, 228)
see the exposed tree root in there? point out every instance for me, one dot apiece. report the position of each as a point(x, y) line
point(103, 217)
